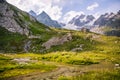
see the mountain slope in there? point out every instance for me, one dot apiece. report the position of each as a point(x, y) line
point(17, 27)
point(81, 21)
point(17, 21)
point(108, 24)
point(111, 20)
point(45, 19)
point(32, 13)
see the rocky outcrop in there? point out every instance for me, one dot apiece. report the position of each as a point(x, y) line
point(13, 19)
point(27, 46)
point(57, 41)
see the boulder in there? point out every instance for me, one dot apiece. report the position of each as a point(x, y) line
point(57, 41)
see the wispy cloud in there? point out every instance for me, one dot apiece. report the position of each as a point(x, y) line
point(93, 6)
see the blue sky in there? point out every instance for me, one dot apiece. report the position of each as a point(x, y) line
point(64, 10)
point(81, 5)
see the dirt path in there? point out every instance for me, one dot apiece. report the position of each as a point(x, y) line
point(63, 70)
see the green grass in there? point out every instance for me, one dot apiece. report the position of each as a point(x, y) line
point(10, 42)
point(93, 75)
point(95, 51)
point(9, 68)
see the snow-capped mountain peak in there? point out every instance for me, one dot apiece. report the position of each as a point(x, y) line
point(82, 20)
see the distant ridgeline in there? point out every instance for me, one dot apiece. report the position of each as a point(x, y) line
point(108, 23)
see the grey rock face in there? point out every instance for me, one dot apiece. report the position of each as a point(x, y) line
point(32, 18)
point(27, 46)
point(12, 19)
point(57, 41)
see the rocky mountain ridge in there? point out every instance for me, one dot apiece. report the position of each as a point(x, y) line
point(108, 23)
point(12, 19)
point(81, 20)
point(109, 19)
point(45, 19)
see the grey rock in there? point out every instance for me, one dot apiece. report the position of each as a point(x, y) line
point(32, 18)
point(12, 19)
point(7, 20)
point(27, 46)
point(57, 41)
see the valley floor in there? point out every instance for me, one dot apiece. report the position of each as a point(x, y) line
point(35, 67)
point(65, 71)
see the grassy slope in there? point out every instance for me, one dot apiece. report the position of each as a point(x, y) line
point(10, 42)
point(101, 49)
point(14, 42)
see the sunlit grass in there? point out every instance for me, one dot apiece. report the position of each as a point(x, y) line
point(95, 75)
point(9, 68)
point(7, 65)
point(95, 51)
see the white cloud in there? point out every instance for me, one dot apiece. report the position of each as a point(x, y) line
point(55, 12)
point(69, 15)
point(70, 26)
point(56, 1)
point(93, 6)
